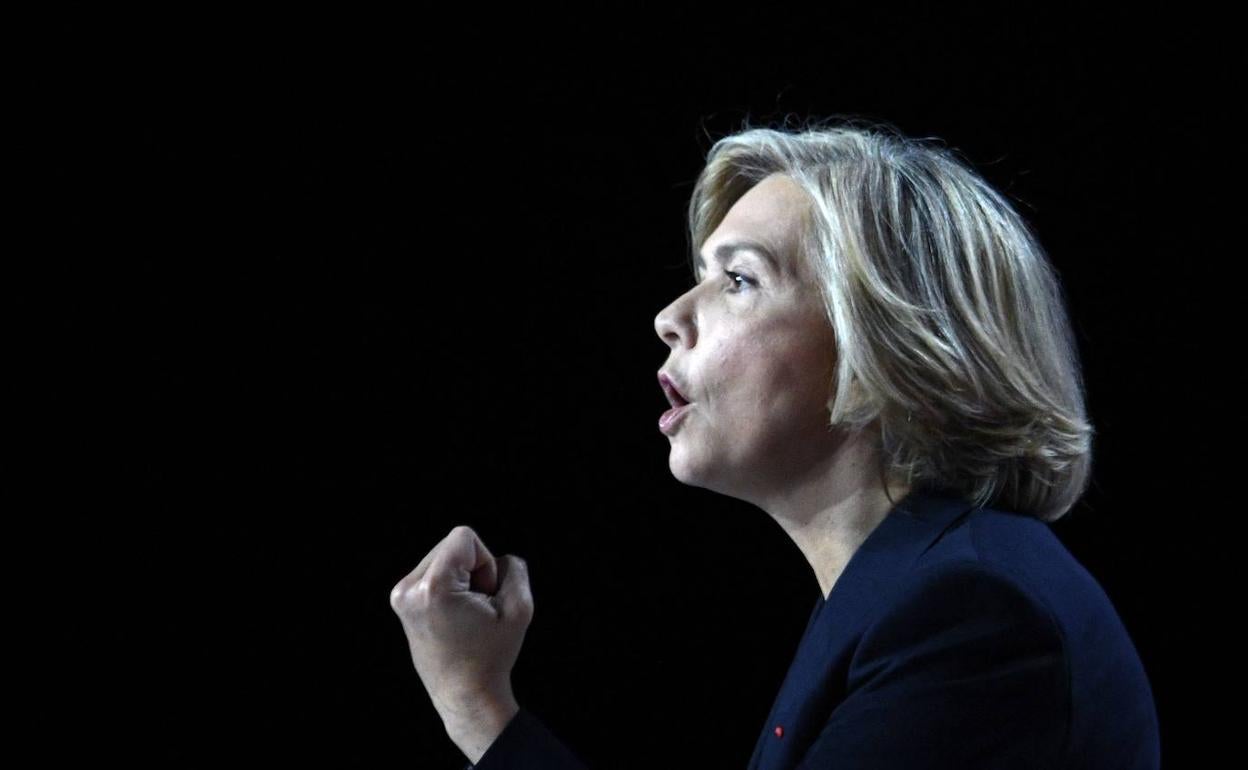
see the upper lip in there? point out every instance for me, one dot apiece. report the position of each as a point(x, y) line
point(675, 394)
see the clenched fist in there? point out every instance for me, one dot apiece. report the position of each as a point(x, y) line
point(465, 615)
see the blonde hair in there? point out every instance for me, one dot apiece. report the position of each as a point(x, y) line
point(950, 322)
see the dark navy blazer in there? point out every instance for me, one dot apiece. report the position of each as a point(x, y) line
point(955, 637)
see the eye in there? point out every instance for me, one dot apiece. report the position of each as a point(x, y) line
point(746, 280)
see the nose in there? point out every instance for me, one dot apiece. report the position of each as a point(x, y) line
point(674, 323)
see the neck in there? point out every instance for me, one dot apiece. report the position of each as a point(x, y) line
point(833, 507)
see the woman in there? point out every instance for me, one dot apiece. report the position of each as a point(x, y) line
point(876, 352)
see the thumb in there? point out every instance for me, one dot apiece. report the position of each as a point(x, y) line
point(515, 596)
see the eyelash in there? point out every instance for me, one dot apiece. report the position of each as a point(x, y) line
point(748, 281)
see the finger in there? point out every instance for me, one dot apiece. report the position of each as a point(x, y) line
point(515, 596)
point(481, 565)
point(461, 563)
point(425, 563)
point(459, 539)
point(411, 578)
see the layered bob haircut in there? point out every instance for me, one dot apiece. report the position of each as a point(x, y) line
point(954, 347)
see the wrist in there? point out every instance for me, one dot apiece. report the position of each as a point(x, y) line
point(475, 729)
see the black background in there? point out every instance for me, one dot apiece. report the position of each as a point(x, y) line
point(323, 288)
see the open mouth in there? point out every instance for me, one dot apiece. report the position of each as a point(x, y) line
point(674, 396)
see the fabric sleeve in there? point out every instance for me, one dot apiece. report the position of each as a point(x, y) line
point(524, 744)
point(967, 670)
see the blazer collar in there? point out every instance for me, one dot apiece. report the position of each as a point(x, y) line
point(892, 548)
point(814, 684)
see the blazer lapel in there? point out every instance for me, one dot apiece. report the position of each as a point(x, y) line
point(815, 682)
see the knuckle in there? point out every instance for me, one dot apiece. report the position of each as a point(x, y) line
point(408, 597)
point(427, 587)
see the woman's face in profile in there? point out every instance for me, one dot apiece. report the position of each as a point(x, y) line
point(753, 353)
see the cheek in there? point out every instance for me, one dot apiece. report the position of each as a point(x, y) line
point(776, 371)
point(737, 365)
point(762, 374)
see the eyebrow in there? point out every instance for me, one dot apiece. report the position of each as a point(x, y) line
point(726, 250)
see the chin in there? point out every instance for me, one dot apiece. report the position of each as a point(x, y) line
point(681, 470)
point(691, 475)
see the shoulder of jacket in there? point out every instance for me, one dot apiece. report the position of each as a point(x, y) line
point(966, 588)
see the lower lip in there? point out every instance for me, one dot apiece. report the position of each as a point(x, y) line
point(670, 419)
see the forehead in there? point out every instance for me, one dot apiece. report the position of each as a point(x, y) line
point(769, 215)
